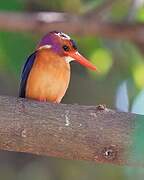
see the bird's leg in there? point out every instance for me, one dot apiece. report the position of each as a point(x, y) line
point(56, 102)
point(42, 99)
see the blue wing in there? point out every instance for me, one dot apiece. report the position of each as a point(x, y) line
point(25, 73)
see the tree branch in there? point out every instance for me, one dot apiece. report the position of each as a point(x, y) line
point(44, 22)
point(71, 131)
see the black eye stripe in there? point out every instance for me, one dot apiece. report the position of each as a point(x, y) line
point(66, 48)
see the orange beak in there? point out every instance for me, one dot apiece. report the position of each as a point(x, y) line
point(82, 60)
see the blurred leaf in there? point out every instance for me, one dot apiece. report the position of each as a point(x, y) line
point(120, 10)
point(90, 5)
point(88, 44)
point(102, 59)
point(15, 47)
point(94, 49)
point(2, 58)
point(11, 5)
point(72, 6)
point(135, 63)
point(138, 104)
point(138, 75)
point(140, 15)
point(122, 99)
point(132, 53)
point(129, 59)
point(56, 5)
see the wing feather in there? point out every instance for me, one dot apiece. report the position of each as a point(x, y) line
point(25, 73)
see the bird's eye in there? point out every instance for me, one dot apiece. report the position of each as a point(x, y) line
point(66, 48)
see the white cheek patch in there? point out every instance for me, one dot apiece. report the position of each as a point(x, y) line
point(45, 47)
point(68, 59)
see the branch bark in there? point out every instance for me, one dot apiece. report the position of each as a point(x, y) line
point(44, 22)
point(71, 131)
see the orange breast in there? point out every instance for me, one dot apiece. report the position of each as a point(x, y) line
point(49, 77)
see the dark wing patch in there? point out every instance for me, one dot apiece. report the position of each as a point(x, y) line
point(73, 44)
point(25, 73)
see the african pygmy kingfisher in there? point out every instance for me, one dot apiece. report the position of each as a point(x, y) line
point(46, 73)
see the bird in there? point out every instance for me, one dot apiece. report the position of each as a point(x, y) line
point(46, 72)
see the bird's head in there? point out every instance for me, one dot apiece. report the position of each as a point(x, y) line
point(63, 45)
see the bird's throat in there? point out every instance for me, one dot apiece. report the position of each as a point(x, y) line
point(68, 59)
